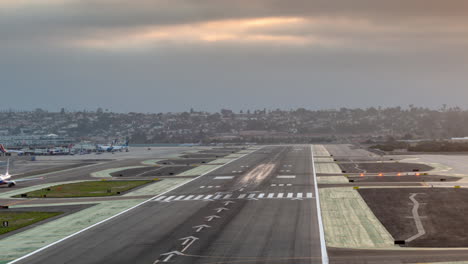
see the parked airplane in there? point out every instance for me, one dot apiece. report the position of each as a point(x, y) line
point(5, 179)
point(112, 147)
point(4, 150)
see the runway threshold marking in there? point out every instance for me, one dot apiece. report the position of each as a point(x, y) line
point(199, 197)
point(249, 196)
point(189, 197)
point(179, 197)
point(127, 210)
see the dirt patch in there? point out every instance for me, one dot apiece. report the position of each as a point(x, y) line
point(185, 161)
point(442, 213)
point(409, 178)
point(205, 156)
point(361, 159)
point(152, 171)
point(224, 150)
point(383, 167)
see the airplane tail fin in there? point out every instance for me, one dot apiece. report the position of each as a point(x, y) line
point(3, 149)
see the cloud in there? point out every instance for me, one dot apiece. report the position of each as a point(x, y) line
point(157, 55)
point(145, 24)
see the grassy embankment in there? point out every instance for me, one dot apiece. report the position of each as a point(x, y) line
point(18, 220)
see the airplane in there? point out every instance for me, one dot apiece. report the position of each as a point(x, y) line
point(112, 147)
point(5, 179)
point(4, 150)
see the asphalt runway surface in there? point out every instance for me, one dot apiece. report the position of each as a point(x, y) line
point(257, 209)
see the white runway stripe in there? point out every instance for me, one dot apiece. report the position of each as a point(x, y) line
point(189, 197)
point(169, 198)
point(180, 197)
point(252, 196)
point(223, 177)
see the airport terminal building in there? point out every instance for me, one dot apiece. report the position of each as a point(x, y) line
point(35, 141)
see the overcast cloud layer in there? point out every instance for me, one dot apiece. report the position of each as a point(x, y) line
point(171, 55)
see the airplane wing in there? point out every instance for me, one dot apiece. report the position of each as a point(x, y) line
point(28, 179)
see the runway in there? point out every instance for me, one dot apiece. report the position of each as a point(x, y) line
point(259, 208)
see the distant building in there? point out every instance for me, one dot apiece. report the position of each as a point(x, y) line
point(35, 140)
point(459, 139)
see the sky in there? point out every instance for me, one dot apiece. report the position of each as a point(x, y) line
point(173, 55)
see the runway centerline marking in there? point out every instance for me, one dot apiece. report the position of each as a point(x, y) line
point(223, 177)
point(286, 176)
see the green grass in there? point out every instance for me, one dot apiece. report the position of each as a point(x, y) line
point(18, 220)
point(85, 189)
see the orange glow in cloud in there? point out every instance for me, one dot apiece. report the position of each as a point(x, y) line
point(238, 31)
